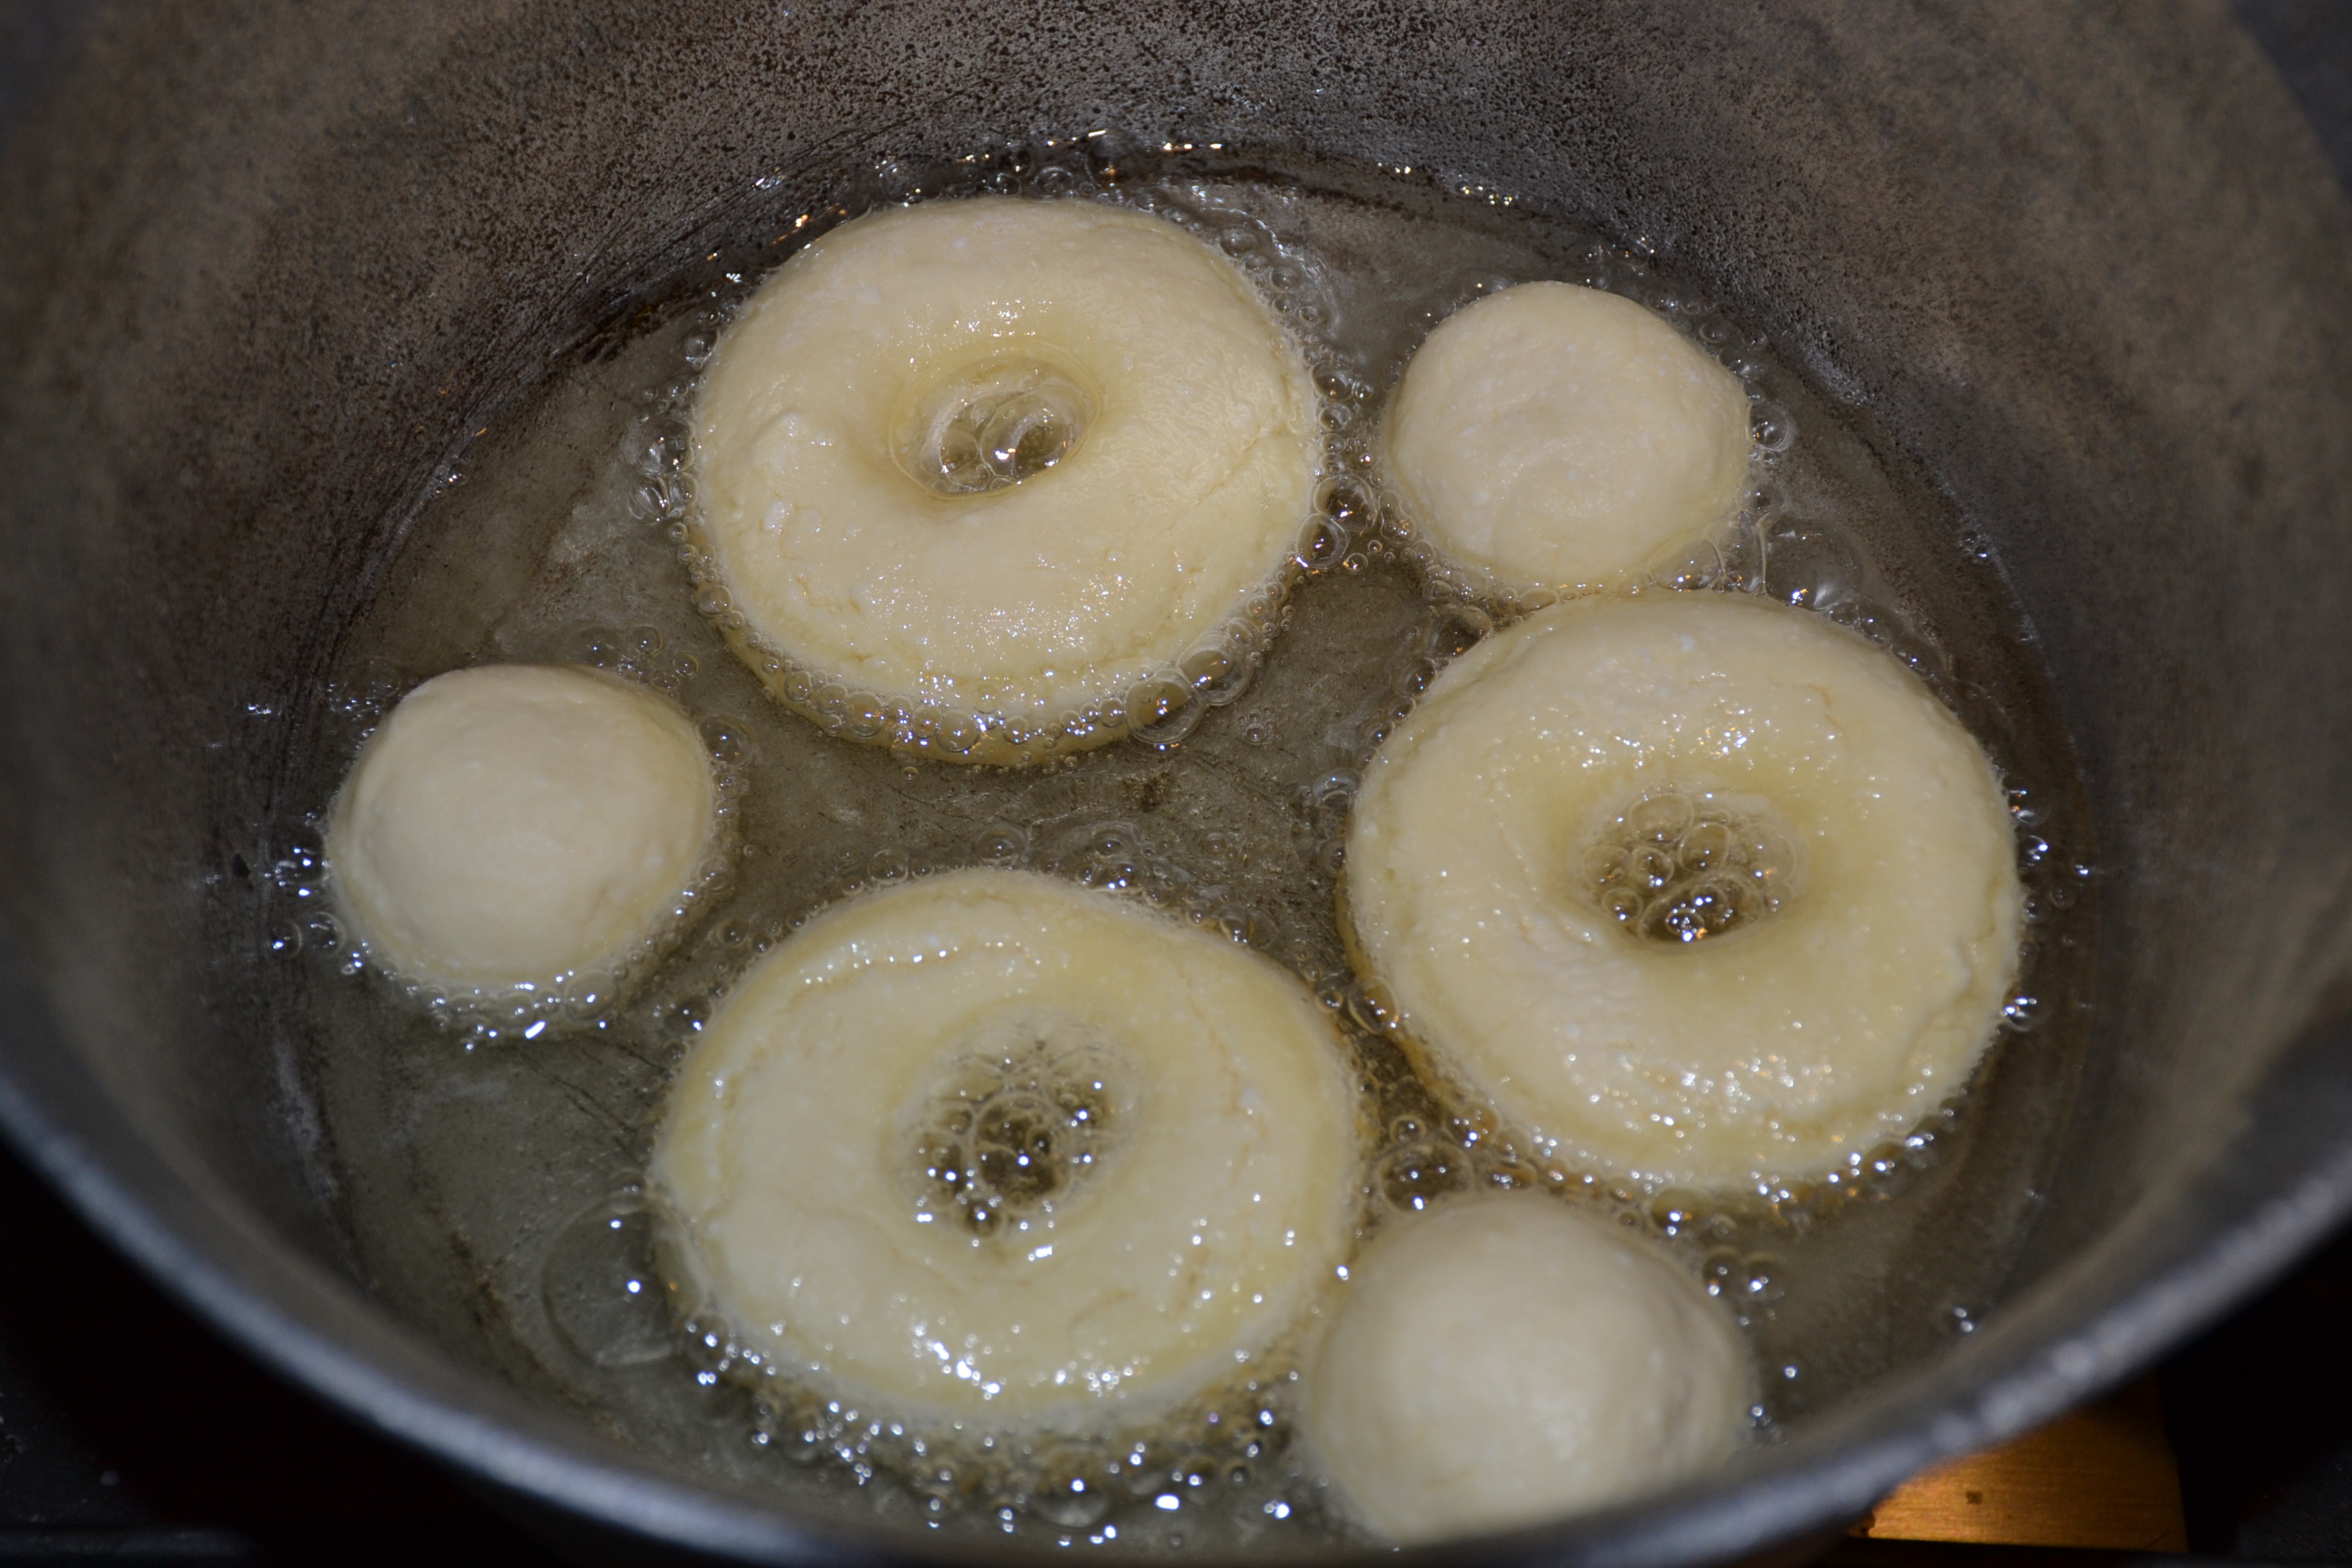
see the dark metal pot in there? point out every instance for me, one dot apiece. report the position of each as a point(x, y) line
point(2079, 271)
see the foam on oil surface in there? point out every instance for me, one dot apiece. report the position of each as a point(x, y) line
point(488, 1183)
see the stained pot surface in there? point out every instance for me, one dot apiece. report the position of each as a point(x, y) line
point(2081, 275)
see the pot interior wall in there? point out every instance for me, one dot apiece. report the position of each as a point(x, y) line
point(2078, 280)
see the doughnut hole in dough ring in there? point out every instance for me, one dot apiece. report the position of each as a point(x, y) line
point(992, 1144)
point(1708, 890)
point(521, 835)
point(1558, 439)
point(995, 477)
point(1504, 1360)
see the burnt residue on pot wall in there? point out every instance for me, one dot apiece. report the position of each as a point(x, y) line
point(2080, 273)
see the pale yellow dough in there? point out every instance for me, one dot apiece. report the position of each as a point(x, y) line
point(1220, 1127)
point(1508, 1360)
point(1049, 598)
point(1556, 438)
point(1779, 1049)
point(514, 828)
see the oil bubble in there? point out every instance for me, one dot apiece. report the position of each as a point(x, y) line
point(1073, 1501)
point(1003, 845)
point(729, 739)
point(1419, 1175)
point(1456, 629)
point(602, 1291)
point(302, 860)
point(1675, 1210)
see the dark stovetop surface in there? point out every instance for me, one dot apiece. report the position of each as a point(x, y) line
point(129, 1432)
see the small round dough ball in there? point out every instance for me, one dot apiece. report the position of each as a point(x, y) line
point(1708, 889)
point(870, 460)
point(1553, 437)
point(1506, 1360)
point(991, 1142)
point(513, 826)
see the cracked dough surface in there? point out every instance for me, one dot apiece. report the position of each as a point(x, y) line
point(1185, 494)
point(514, 825)
point(1220, 1193)
point(1506, 1360)
point(1558, 436)
point(1778, 1050)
